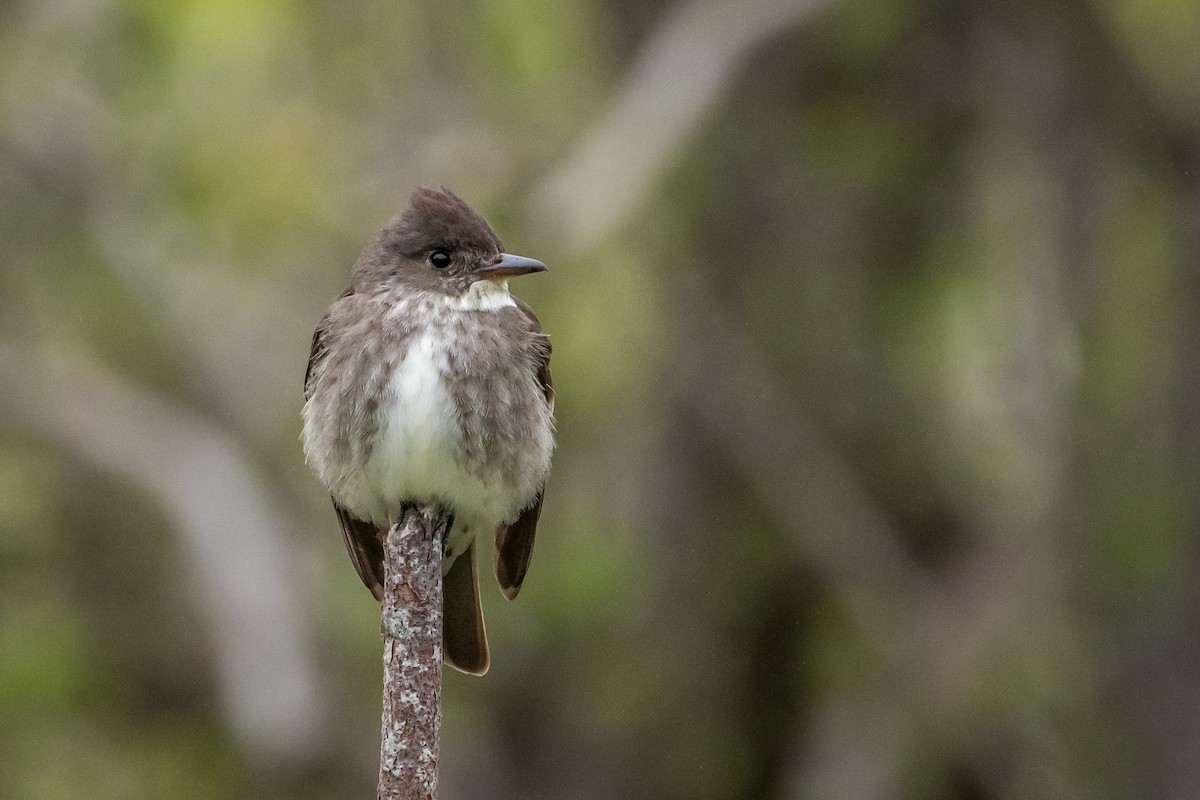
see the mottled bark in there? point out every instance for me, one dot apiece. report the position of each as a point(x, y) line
point(412, 656)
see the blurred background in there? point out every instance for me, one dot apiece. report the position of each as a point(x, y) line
point(877, 345)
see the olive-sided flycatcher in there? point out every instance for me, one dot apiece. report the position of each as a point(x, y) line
point(429, 383)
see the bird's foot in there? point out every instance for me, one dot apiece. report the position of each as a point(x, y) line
point(433, 516)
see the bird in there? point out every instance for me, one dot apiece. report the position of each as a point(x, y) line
point(428, 383)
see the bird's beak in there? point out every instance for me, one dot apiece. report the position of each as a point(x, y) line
point(510, 265)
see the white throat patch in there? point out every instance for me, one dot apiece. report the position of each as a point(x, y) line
point(484, 295)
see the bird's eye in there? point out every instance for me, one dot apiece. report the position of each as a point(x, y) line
point(439, 259)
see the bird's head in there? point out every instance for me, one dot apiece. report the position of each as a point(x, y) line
point(438, 243)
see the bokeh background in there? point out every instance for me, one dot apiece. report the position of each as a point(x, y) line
point(877, 340)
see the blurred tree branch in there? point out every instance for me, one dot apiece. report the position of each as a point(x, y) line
point(797, 474)
point(677, 77)
point(229, 526)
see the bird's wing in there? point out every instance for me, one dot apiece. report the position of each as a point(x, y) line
point(363, 540)
point(364, 543)
point(514, 543)
point(316, 355)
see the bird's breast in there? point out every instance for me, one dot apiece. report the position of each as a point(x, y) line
point(418, 436)
point(461, 421)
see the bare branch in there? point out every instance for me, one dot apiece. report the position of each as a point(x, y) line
point(412, 656)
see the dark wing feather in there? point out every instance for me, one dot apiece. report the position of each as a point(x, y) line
point(364, 543)
point(316, 354)
point(543, 341)
point(514, 543)
point(514, 548)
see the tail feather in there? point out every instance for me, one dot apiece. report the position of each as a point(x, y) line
point(463, 635)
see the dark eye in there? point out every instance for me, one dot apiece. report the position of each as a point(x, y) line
point(439, 259)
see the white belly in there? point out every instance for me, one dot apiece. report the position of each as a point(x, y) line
point(413, 457)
